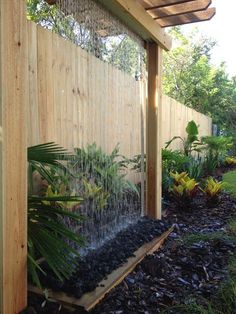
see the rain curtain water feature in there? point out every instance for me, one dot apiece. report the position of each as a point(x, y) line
point(108, 170)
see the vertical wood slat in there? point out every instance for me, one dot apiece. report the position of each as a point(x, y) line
point(153, 197)
point(14, 106)
point(79, 98)
point(175, 117)
point(106, 101)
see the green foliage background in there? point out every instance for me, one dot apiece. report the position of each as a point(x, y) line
point(192, 79)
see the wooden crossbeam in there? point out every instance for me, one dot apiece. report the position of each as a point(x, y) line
point(198, 16)
point(153, 4)
point(181, 8)
point(137, 19)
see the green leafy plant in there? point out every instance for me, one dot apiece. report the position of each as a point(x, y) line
point(172, 161)
point(212, 190)
point(49, 240)
point(216, 148)
point(191, 143)
point(136, 162)
point(184, 189)
point(95, 169)
point(209, 164)
point(95, 193)
point(195, 168)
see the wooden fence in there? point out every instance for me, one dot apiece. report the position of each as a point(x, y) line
point(52, 90)
point(175, 117)
point(77, 99)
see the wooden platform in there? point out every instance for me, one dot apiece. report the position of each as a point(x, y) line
point(89, 300)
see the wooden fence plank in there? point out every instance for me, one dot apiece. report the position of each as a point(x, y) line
point(14, 106)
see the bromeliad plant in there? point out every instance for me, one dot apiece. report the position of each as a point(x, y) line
point(49, 239)
point(184, 189)
point(230, 160)
point(212, 190)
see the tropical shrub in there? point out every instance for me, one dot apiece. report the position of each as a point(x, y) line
point(209, 164)
point(49, 239)
point(216, 148)
point(212, 191)
point(136, 162)
point(195, 168)
point(192, 142)
point(172, 161)
point(100, 177)
point(184, 189)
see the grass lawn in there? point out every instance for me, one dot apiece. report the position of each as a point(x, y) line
point(229, 179)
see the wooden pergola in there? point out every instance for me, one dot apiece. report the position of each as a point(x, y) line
point(145, 17)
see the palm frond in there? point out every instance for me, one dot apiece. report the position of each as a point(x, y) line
point(49, 239)
point(48, 153)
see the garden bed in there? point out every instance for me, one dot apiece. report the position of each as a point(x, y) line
point(192, 264)
point(98, 264)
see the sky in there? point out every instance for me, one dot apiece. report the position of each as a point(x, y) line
point(222, 28)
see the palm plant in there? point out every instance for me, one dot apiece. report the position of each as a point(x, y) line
point(216, 150)
point(49, 239)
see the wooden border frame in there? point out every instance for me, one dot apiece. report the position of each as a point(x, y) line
point(91, 299)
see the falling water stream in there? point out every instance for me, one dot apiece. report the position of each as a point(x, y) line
point(110, 203)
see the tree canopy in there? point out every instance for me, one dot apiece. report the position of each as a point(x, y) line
point(190, 78)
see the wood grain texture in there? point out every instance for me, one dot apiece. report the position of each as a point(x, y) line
point(153, 132)
point(175, 117)
point(77, 99)
point(133, 14)
point(14, 106)
point(186, 18)
point(181, 8)
point(149, 4)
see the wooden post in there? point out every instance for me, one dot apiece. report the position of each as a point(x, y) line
point(153, 127)
point(13, 156)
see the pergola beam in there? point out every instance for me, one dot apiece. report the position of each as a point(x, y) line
point(187, 18)
point(177, 9)
point(154, 4)
point(137, 19)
